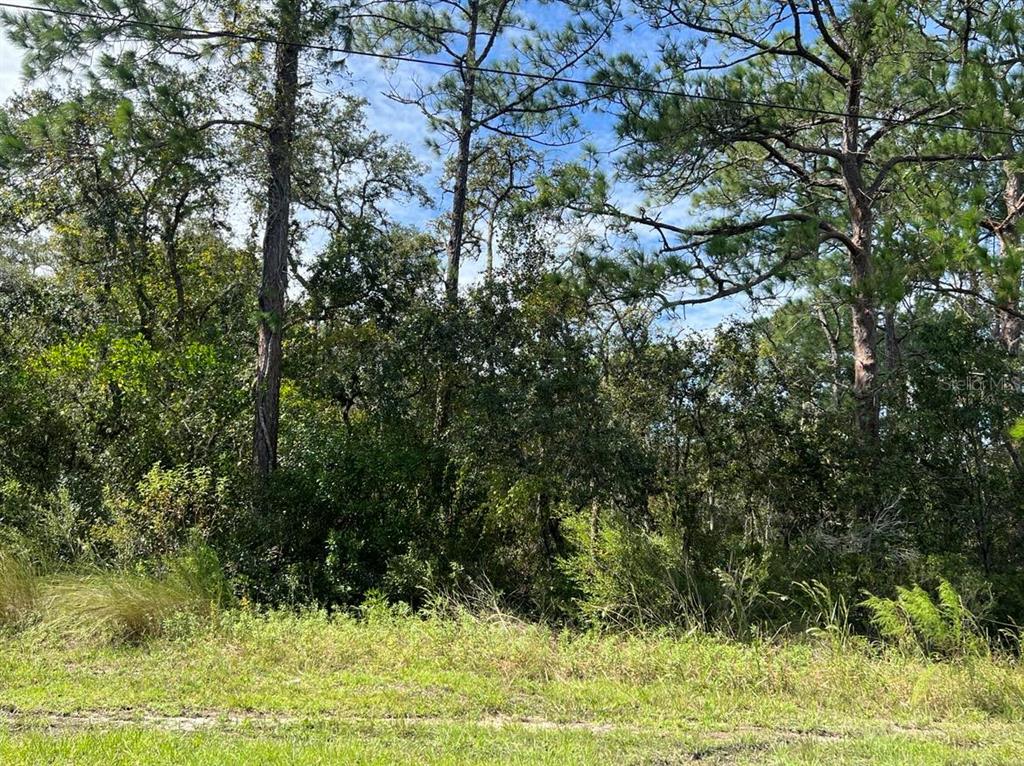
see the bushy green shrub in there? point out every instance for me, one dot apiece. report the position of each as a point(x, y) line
point(345, 504)
point(377, 608)
point(939, 625)
point(169, 507)
point(48, 526)
point(632, 578)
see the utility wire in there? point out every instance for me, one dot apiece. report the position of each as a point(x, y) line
point(454, 65)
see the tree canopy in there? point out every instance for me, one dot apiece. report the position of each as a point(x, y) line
point(235, 307)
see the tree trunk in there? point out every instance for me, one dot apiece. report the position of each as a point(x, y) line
point(865, 331)
point(833, 353)
point(453, 250)
point(170, 239)
point(1009, 326)
point(893, 358)
point(274, 281)
point(1008, 322)
point(865, 340)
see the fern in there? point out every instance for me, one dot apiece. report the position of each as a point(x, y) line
point(936, 626)
point(925, 617)
point(960, 619)
point(888, 619)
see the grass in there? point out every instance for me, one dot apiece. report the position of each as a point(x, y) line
point(398, 689)
point(19, 590)
point(111, 605)
point(118, 606)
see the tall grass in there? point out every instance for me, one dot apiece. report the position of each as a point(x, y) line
point(133, 607)
point(19, 590)
point(824, 614)
point(116, 605)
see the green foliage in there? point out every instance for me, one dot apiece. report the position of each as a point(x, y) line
point(168, 508)
point(376, 608)
point(824, 613)
point(50, 527)
point(601, 463)
point(742, 588)
point(631, 578)
point(937, 624)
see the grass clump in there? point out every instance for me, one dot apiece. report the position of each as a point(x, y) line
point(19, 590)
point(135, 606)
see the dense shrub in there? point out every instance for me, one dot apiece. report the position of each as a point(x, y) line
point(167, 508)
point(51, 527)
point(632, 578)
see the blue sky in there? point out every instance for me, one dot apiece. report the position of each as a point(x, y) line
point(406, 125)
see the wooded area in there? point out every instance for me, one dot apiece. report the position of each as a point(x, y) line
point(219, 328)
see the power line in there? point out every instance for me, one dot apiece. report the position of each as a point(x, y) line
point(452, 65)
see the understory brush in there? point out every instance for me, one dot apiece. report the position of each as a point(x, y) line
point(189, 591)
point(115, 605)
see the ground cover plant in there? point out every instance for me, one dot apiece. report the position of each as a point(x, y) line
point(390, 687)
